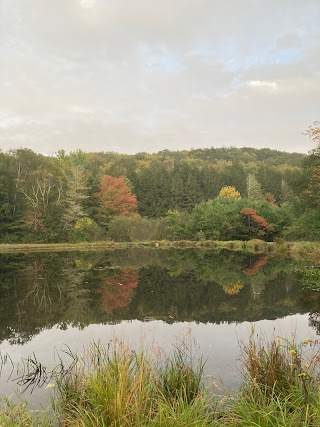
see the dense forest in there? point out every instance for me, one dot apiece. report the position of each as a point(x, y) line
point(215, 193)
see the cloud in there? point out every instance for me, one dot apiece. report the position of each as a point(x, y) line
point(146, 76)
point(263, 85)
point(88, 4)
point(8, 121)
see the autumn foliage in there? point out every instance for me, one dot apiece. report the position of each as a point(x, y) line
point(117, 291)
point(252, 214)
point(115, 197)
point(229, 192)
point(251, 271)
point(269, 197)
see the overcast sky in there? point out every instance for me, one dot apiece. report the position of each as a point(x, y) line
point(147, 75)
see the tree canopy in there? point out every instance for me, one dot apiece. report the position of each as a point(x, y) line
point(192, 194)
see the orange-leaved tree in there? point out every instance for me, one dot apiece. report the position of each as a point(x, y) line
point(115, 198)
point(261, 225)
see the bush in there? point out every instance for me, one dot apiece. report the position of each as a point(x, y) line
point(135, 228)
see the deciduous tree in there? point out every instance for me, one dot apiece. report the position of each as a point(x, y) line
point(115, 198)
point(229, 192)
point(76, 193)
point(256, 223)
point(37, 197)
point(313, 132)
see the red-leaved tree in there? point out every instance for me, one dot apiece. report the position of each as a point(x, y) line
point(115, 198)
point(261, 224)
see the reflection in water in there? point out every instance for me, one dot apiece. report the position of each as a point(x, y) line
point(314, 321)
point(254, 269)
point(117, 291)
point(38, 291)
point(50, 300)
point(76, 301)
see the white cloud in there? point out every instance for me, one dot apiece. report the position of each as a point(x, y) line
point(87, 4)
point(78, 109)
point(263, 85)
point(8, 121)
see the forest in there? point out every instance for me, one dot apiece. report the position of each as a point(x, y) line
point(213, 193)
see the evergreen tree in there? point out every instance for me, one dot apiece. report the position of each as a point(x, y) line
point(254, 190)
point(286, 192)
point(76, 194)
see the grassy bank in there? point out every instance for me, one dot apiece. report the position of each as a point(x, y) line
point(117, 386)
point(298, 250)
point(253, 245)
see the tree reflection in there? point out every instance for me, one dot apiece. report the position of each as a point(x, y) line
point(117, 291)
point(74, 295)
point(314, 321)
point(39, 291)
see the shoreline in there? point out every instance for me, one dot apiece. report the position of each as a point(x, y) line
point(236, 245)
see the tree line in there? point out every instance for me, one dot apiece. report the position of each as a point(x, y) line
point(214, 193)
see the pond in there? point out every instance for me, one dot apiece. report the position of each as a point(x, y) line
point(52, 304)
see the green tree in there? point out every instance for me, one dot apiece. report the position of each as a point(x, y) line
point(218, 219)
point(312, 167)
point(10, 219)
point(176, 225)
point(186, 186)
point(153, 188)
point(286, 192)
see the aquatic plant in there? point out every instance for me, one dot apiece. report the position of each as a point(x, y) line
point(114, 385)
point(283, 375)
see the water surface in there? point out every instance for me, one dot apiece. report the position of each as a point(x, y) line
point(52, 300)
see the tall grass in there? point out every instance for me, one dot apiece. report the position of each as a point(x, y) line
point(18, 415)
point(280, 384)
point(117, 386)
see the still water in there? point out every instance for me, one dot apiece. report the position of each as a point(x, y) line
point(51, 303)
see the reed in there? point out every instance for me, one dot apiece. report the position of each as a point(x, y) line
point(280, 384)
point(118, 386)
point(19, 415)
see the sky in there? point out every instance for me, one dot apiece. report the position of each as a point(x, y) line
point(142, 76)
